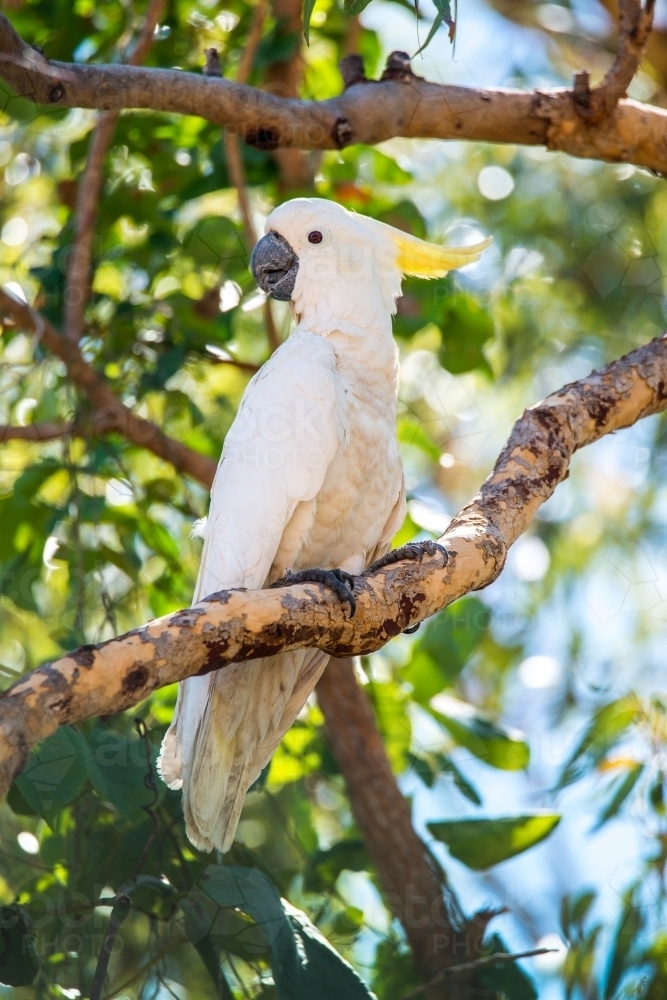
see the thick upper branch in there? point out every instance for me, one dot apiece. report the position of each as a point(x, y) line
point(238, 625)
point(369, 112)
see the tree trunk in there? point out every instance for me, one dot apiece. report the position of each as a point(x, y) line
point(412, 887)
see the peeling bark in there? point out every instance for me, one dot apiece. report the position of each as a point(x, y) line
point(234, 626)
point(368, 112)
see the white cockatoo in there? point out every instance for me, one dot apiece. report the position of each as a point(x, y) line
point(310, 476)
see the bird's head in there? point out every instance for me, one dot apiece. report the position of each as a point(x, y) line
point(312, 245)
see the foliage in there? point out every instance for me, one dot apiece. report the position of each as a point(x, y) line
point(96, 539)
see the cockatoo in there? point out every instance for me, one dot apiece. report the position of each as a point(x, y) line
point(309, 486)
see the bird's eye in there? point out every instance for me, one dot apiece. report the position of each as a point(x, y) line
point(315, 236)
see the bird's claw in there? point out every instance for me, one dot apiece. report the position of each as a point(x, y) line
point(413, 550)
point(337, 580)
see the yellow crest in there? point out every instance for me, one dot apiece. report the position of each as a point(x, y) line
point(429, 260)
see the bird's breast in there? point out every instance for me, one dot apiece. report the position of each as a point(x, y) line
point(343, 524)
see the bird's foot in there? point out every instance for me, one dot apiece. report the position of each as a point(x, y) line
point(337, 580)
point(413, 550)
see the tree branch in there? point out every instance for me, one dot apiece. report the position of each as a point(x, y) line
point(234, 626)
point(499, 958)
point(111, 414)
point(89, 192)
point(284, 78)
point(634, 27)
point(401, 104)
point(36, 432)
point(233, 156)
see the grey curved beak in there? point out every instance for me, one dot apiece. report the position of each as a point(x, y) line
point(274, 266)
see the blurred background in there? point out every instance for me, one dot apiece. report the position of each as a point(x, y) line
point(540, 697)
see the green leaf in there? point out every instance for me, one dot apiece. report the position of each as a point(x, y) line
point(303, 963)
point(607, 726)
point(630, 925)
point(308, 7)
point(117, 768)
point(55, 774)
point(216, 242)
point(18, 962)
point(18, 803)
point(466, 326)
point(324, 867)
point(573, 912)
point(482, 843)
point(413, 433)
point(445, 647)
point(353, 7)
point(623, 786)
point(507, 978)
point(429, 767)
point(444, 16)
point(389, 702)
point(498, 747)
point(447, 766)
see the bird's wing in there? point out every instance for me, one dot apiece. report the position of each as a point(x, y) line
point(276, 455)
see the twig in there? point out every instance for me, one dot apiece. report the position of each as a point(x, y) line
point(499, 958)
point(151, 784)
point(238, 179)
point(36, 432)
point(154, 959)
point(222, 356)
point(252, 42)
point(147, 34)
point(89, 192)
point(121, 908)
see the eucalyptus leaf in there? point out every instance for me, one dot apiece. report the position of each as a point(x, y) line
point(608, 725)
point(506, 979)
point(482, 843)
point(623, 787)
point(117, 768)
point(353, 7)
point(303, 963)
point(324, 866)
point(308, 7)
point(497, 746)
point(56, 773)
point(18, 962)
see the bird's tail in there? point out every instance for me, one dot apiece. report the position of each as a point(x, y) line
point(225, 729)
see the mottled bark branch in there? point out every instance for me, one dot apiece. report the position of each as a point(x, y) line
point(110, 414)
point(412, 888)
point(89, 192)
point(234, 626)
point(401, 104)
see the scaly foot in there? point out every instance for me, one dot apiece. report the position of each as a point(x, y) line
point(337, 580)
point(413, 550)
